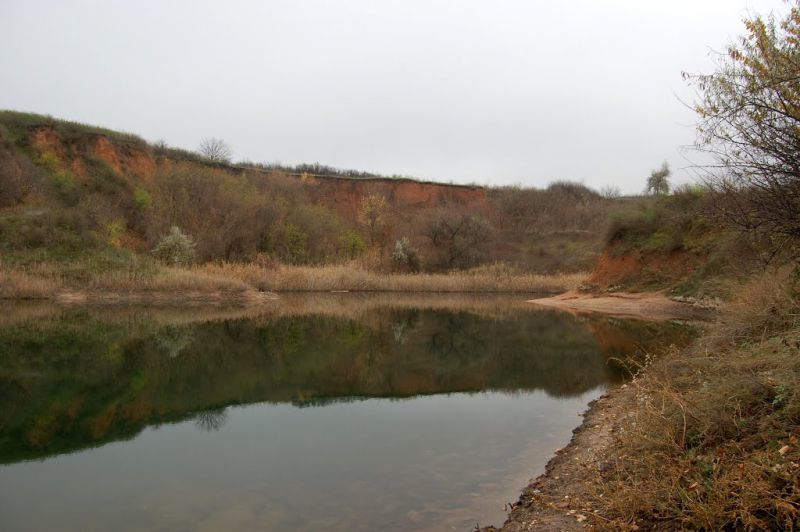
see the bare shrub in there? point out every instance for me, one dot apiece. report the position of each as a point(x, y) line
point(459, 239)
point(611, 192)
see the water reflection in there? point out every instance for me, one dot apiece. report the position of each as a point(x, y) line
point(210, 420)
point(79, 378)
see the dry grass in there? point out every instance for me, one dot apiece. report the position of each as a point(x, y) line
point(494, 278)
point(712, 439)
point(169, 280)
point(235, 281)
point(15, 284)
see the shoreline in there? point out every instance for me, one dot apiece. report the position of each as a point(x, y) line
point(552, 501)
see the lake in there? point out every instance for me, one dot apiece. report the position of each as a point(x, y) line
point(325, 412)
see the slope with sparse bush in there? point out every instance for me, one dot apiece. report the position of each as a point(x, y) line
point(80, 203)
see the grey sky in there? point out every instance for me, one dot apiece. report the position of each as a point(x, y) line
point(492, 92)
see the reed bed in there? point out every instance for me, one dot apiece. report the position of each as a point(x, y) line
point(243, 281)
point(351, 278)
point(169, 280)
point(16, 284)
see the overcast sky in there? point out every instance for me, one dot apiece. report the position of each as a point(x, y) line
point(491, 92)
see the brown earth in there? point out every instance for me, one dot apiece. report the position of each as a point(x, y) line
point(344, 195)
point(646, 305)
point(616, 268)
point(341, 194)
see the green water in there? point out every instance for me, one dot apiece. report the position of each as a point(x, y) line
point(324, 413)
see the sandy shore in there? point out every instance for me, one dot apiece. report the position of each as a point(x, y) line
point(645, 305)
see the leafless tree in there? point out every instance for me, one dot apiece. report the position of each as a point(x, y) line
point(216, 150)
point(459, 238)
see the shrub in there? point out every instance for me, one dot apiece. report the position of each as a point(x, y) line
point(114, 231)
point(142, 198)
point(175, 247)
point(405, 257)
point(18, 177)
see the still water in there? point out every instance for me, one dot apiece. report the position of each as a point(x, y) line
point(340, 412)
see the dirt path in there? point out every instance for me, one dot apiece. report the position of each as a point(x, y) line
point(645, 305)
point(553, 500)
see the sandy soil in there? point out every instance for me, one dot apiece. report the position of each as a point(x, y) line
point(645, 305)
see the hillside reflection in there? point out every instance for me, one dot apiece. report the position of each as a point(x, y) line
point(72, 378)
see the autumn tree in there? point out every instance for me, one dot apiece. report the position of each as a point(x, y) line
point(372, 214)
point(749, 111)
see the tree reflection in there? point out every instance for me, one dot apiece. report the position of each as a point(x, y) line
point(172, 340)
point(60, 391)
point(211, 420)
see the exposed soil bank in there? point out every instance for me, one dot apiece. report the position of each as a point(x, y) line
point(550, 502)
point(645, 305)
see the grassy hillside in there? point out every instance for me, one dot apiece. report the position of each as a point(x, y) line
point(80, 203)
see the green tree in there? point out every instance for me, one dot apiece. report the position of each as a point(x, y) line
point(658, 182)
point(351, 245)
